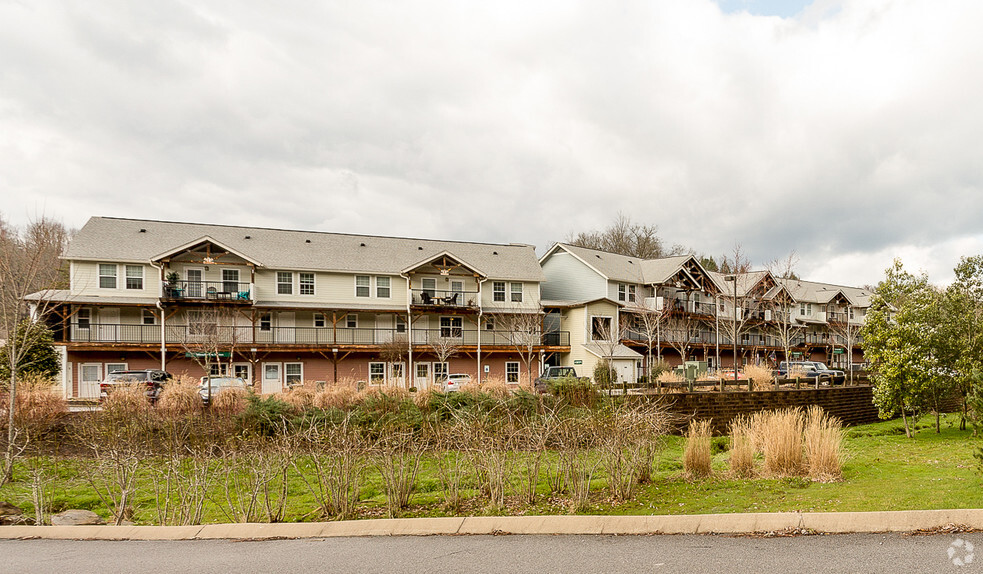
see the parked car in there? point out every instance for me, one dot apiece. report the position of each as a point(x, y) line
point(726, 374)
point(153, 378)
point(811, 369)
point(542, 382)
point(454, 382)
point(219, 383)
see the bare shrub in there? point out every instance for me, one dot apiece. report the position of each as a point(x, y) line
point(628, 436)
point(127, 401)
point(575, 438)
point(398, 455)
point(533, 445)
point(742, 447)
point(490, 448)
point(180, 398)
point(181, 482)
point(760, 377)
point(780, 435)
point(452, 461)
point(341, 397)
point(823, 445)
point(230, 401)
point(253, 476)
point(696, 457)
point(334, 467)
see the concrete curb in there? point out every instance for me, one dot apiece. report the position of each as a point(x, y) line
point(747, 523)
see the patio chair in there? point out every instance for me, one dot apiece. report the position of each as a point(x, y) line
point(426, 298)
point(451, 300)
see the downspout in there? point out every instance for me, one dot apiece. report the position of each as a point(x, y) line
point(160, 293)
point(410, 371)
point(480, 313)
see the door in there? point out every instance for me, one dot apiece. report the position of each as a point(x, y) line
point(625, 371)
point(285, 332)
point(90, 374)
point(108, 328)
point(195, 286)
point(422, 376)
point(272, 378)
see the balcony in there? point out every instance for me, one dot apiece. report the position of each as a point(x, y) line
point(220, 291)
point(307, 336)
point(836, 317)
point(437, 299)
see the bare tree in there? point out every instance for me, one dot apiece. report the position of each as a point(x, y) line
point(627, 238)
point(680, 327)
point(782, 323)
point(211, 334)
point(394, 350)
point(848, 333)
point(608, 338)
point(525, 332)
point(29, 265)
point(742, 297)
point(647, 322)
point(444, 347)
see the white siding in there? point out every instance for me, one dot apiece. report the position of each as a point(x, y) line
point(85, 280)
point(568, 278)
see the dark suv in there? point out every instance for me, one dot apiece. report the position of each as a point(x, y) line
point(811, 369)
point(153, 378)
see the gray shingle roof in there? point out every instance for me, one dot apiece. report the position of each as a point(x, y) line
point(815, 292)
point(113, 239)
point(617, 267)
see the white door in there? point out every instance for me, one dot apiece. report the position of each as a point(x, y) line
point(90, 374)
point(625, 371)
point(108, 328)
point(422, 376)
point(272, 378)
point(195, 287)
point(285, 332)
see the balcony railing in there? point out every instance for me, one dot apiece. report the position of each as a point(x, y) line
point(311, 336)
point(836, 317)
point(207, 291)
point(443, 298)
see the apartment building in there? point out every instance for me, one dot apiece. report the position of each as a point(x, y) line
point(279, 307)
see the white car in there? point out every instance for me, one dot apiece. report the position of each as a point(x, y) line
point(219, 383)
point(454, 382)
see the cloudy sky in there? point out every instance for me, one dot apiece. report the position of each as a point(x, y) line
point(845, 130)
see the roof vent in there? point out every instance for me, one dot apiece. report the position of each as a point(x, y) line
point(419, 248)
point(248, 237)
point(307, 241)
point(598, 256)
point(361, 245)
point(494, 252)
point(143, 231)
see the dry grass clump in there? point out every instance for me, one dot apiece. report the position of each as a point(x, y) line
point(823, 445)
point(230, 401)
point(39, 403)
point(760, 376)
point(180, 398)
point(670, 377)
point(696, 457)
point(336, 397)
point(301, 397)
point(493, 386)
point(382, 391)
point(779, 435)
point(742, 447)
point(127, 400)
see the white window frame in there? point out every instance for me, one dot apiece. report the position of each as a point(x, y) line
point(351, 321)
point(451, 327)
point(320, 318)
point(489, 323)
point(287, 376)
point(101, 276)
point(363, 290)
point(148, 314)
point(88, 319)
point(440, 371)
point(512, 369)
point(266, 322)
point(622, 292)
point(116, 367)
point(632, 294)
point(284, 285)
point(127, 277)
point(513, 292)
point(232, 281)
point(218, 369)
point(379, 376)
point(498, 295)
point(610, 327)
point(309, 285)
point(388, 287)
point(400, 323)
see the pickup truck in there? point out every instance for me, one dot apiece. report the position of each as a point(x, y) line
point(811, 369)
point(542, 382)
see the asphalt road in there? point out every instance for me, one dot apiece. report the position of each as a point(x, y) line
point(390, 555)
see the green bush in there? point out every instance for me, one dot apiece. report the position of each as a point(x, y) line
point(574, 391)
point(266, 416)
point(602, 374)
point(38, 358)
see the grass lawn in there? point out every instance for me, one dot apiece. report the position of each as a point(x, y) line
point(883, 471)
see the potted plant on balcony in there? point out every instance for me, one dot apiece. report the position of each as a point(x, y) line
point(172, 288)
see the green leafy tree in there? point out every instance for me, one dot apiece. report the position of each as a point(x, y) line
point(38, 357)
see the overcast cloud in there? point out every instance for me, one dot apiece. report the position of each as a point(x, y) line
point(847, 131)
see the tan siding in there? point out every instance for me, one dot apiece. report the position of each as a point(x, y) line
point(567, 278)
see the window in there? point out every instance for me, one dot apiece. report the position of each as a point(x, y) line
point(116, 367)
point(241, 371)
point(84, 318)
point(600, 329)
point(293, 374)
point(149, 318)
point(850, 310)
point(319, 320)
point(489, 323)
point(498, 291)
point(218, 370)
point(202, 323)
point(400, 324)
point(284, 283)
point(382, 289)
point(134, 276)
point(362, 286)
point(397, 371)
point(306, 283)
point(802, 309)
point(107, 276)
point(631, 293)
point(430, 287)
point(351, 321)
point(377, 373)
point(230, 281)
point(622, 292)
point(450, 327)
point(511, 372)
point(440, 371)
point(266, 322)
point(517, 292)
